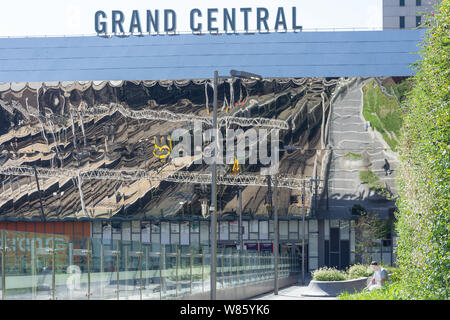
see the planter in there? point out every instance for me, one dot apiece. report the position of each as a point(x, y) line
point(334, 288)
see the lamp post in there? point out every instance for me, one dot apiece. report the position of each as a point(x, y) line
point(214, 142)
point(58, 195)
point(275, 211)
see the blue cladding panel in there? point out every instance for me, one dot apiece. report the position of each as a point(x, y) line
point(303, 54)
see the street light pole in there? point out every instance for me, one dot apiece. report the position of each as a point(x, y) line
point(303, 233)
point(213, 207)
point(289, 148)
point(214, 149)
point(276, 246)
point(241, 244)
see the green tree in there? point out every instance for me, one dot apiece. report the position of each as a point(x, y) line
point(423, 226)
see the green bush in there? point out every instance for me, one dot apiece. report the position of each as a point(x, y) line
point(383, 113)
point(353, 156)
point(328, 274)
point(423, 227)
point(358, 270)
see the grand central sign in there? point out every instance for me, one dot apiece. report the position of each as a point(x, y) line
point(156, 21)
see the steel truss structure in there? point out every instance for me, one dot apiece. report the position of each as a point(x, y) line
point(138, 174)
point(165, 115)
point(145, 114)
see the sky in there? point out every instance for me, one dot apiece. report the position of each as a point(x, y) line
point(56, 17)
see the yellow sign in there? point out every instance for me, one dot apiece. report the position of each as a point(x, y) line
point(236, 168)
point(162, 150)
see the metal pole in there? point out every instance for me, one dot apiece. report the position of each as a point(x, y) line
point(127, 280)
point(214, 193)
point(89, 267)
point(245, 267)
point(176, 275)
point(191, 263)
point(160, 271)
point(275, 191)
point(33, 268)
point(241, 243)
point(70, 253)
point(102, 268)
point(223, 275)
point(140, 268)
point(3, 265)
point(303, 233)
point(53, 269)
point(231, 266)
point(39, 192)
point(117, 269)
point(203, 269)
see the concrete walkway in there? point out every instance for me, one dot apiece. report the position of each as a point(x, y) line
point(348, 133)
point(291, 293)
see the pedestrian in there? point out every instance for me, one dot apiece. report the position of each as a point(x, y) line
point(379, 278)
point(387, 167)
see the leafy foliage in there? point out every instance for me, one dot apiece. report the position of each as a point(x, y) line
point(423, 227)
point(383, 113)
point(353, 156)
point(358, 271)
point(328, 274)
point(424, 188)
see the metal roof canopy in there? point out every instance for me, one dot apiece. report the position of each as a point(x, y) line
point(189, 56)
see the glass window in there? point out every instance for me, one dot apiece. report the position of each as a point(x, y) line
point(145, 232)
point(223, 230)
point(204, 232)
point(293, 225)
point(418, 3)
point(345, 230)
point(194, 227)
point(253, 236)
point(418, 20)
point(184, 228)
point(136, 226)
point(126, 231)
point(97, 226)
point(402, 3)
point(106, 228)
point(234, 226)
point(174, 227)
point(263, 229)
point(313, 226)
point(165, 233)
point(195, 239)
point(402, 22)
point(136, 237)
point(254, 226)
point(245, 225)
point(284, 230)
point(175, 238)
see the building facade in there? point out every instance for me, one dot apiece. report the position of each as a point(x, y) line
point(405, 14)
point(155, 213)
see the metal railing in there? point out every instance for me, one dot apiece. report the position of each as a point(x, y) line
point(55, 266)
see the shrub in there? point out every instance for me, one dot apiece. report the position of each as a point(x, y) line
point(423, 227)
point(353, 156)
point(358, 271)
point(328, 274)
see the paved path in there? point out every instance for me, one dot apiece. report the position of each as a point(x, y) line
point(348, 133)
point(291, 293)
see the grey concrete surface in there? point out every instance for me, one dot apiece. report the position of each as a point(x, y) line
point(349, 133)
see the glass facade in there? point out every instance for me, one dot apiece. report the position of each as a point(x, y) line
point(50, 266)
point(402, 22)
